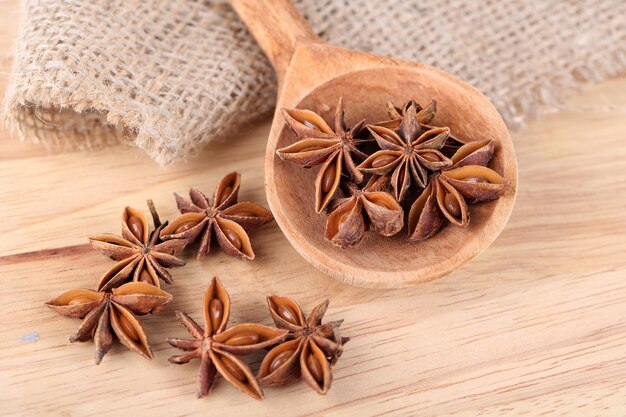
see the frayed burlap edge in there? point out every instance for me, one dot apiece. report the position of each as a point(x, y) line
point(84, 125)
point(45, 114)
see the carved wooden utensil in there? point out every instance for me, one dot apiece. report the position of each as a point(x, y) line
point(313, 75)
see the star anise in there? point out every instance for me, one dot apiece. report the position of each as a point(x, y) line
point(424, 115)
point(217, 347)
point(468, 180)
point(202, 218)
point(410, 153)
point(371, 205)
point(309, 352)
point(106, 314)
point(320, 144)
point(141, 255)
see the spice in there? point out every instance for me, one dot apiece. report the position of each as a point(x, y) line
point(320, 144)
point(372, 205)
point(429, 170)
point(423, 115)
point(112, 314)
point(221, 217)
point(310, 350)
point(468, 180)
point(141, 255)
point(408, 153)
point(218, 347)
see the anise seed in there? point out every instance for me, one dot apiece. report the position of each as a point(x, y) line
point(382, 160)
point(216, 312)
point(233, 238)
point(476, 180)
point(311, 125)
point(184, 226)
point(280, 359)
point(243, 339)
point(310, 148)
point(136, 227)
point(79, 300)
point(452, 205)
point(128, 328)
point(329, 178)
point(234, 369)
point(314, 367)
point(287, 313)
point(145, 276)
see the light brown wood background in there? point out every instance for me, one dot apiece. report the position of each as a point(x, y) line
point(534, 326)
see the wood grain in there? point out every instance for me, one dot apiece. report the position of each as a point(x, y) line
point(534, 326)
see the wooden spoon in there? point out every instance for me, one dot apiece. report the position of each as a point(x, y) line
point(313, 75)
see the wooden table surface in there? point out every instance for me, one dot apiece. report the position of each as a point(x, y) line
point(534, 326)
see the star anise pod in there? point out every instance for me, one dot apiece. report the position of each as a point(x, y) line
point(446, 197)
point(222, 216)
point(309, 352)
point(410, 153)
point(371, 205)
point(112, 314)
point(424, 115)
point(141, 255)
point(218, 347)
point(320, 144)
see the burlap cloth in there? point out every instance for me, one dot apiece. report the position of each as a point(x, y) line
point(170, 76)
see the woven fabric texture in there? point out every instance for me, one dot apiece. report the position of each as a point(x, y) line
point(169, 76)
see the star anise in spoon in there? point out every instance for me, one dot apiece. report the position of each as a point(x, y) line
point(371, 205)
point(320, 144)
point(107, 315)
point(222, 216)
point(410, 153)
point(309, 352)
point(449, 192)
point(424, 115)
point(141, 255)
point(218, 347)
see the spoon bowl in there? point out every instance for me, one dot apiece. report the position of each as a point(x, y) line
point(314, 75)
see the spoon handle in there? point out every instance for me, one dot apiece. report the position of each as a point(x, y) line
point(277, 26)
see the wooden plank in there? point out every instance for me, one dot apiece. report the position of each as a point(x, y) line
point(460, 343)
